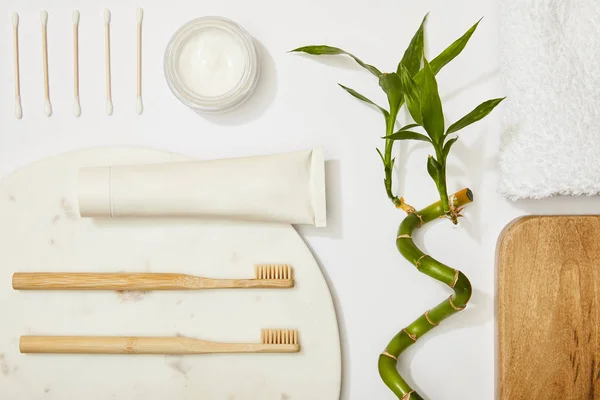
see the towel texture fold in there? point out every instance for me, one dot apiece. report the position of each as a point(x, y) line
point(550, 56)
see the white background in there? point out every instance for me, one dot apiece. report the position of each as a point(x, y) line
point(298, 105)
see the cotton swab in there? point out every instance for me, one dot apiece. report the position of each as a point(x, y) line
point(18, 109)
point(76, 104)
point(109, 105)
point(139, 105)
point(47, 105)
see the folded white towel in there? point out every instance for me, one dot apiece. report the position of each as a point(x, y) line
point(551, 66)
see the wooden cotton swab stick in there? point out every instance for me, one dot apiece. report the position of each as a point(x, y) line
point(139, 104)
point(18, 109)
point(109, 105)
point(47, 105)
point(76, 104)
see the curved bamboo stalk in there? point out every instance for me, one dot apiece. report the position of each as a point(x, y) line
point(432, 318)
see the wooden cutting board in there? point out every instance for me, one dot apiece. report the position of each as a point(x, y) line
point(548, 308)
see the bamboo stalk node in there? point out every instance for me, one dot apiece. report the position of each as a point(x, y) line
point(407, 208)
point(453, 200)
point(410, 335)
point(429, 320)
point(404, 236)
point(418, 262)
point(420, 219)
point(456, 274)
point(385, 353)
point(407, 395)
point(454, 306)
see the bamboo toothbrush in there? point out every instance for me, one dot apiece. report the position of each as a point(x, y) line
point(18, 109)
point(272, 341)
point(139, 104)
point(109, 104)
point(76, 104)
point(266, 277)
point(47, 105)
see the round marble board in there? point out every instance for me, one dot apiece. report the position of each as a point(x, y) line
point(41, 230)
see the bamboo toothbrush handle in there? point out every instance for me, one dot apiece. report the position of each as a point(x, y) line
point(135, 281)
point(100, 281)
point(142, 345)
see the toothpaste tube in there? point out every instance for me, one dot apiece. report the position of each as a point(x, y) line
point(287, 188)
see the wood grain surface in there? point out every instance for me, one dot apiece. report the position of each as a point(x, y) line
point(548, 314)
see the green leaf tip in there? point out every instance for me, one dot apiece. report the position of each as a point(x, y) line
point(480, 112)
point(359, 96)
point(448, 146)
point(380, 155)
point(324, 50)
point(414, 52)
point(407, 135)
point(452, 51)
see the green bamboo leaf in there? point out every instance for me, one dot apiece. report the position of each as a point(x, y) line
point(412, 95)
point(414, 53)
point(431, 105)
point(449, 54)
point(448, 145)
point(452, 51)
point(409, 126)
point(407, 135)
point(323, 50)
point(480, 112)
point(392, 86)
point(381, 155)
point(366, 100)
point(435, 170)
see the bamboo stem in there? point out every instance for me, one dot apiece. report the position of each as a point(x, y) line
point(139, 58)
point(431, 318)
point(45, 61)
point(109, 105)
point(16, 56)
point(76, 60)
point(139, 104)
point(18, 108)
point(107, 56)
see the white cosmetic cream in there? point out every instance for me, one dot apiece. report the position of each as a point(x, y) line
point(212, 65)
point(211, 62)
point(288, 188)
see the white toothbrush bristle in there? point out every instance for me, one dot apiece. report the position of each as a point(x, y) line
point(18, 108)
point(15, 19)
point(139, 105)
point(140, 15)
point(77, 107)
point(107, 15)
point(109, 107)
point(44, 17)
point(75, 17)
point(47, 108)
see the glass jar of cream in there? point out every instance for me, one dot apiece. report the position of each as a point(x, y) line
point(212, 65)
